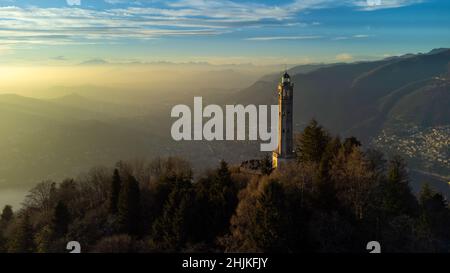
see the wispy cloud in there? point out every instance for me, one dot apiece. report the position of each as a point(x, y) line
point(73, 2)
point(356, 36)
point(272, 38)
point(75, 25)
point(370, 5)
point(146, 20)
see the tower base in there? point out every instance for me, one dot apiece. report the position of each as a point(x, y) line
point(278, 160)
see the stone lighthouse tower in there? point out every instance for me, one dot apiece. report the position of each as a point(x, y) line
point(285, 151)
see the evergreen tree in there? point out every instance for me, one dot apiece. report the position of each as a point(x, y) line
point(172, 230)
point(330, 153)
point(266, 165)
point(60, 220)
point(398, 236)
point(325, 190)
point(434, 220)
point(129, 206)
point(44, 239)
point(271, 218)
point(7, 214)
point(396, 193)
point(22, 240)
point(2, 242)
point(312, 143)
point(350, 143)
point(216, 200)
point(376, 162)
point(261, 222)
point(223, 186)
point(333, 147)
point(426, 194)
point(115, 191)
point(223, 173)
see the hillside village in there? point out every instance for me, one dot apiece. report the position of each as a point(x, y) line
point(430, 146)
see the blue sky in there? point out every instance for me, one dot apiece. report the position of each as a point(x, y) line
point(219, 31)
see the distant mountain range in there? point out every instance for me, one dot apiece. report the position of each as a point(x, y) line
point(360, 98)
point(399, 104)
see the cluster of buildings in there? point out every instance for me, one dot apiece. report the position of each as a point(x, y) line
point(429, 146)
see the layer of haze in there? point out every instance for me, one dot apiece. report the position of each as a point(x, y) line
point(58, 121)
point(156, 79)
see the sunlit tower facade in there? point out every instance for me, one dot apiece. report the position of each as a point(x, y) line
point(285, 150)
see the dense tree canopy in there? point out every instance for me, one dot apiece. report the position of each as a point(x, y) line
point(335, 198)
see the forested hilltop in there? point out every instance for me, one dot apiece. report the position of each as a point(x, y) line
point(335, 198)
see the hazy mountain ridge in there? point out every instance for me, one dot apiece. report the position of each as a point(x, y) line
point(16, 104)
point(54, 138)
point(46, 138)
point(426, 106)
point(364, 99)
point(327, 93)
